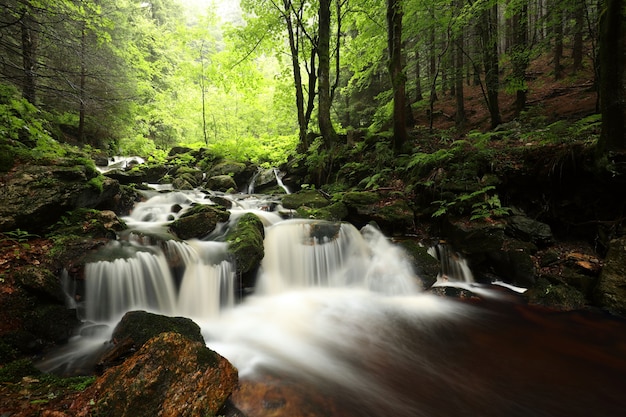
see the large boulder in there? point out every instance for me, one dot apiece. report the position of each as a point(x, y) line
point(245, 243)
point(170, 376)
point(610, 293)
point(198, 221)
point(34, 196)
point(390, 211)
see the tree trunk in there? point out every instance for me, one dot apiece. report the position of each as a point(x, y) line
point(324, 119)
point(489, 34)
point(398, 78)
point(579, 25)
point(460, 117)
point(612, 78)
point(557, 32)
point(520, 56)
point(29, 54)
point(418, 76)
point(82, 95)
point(303, 124)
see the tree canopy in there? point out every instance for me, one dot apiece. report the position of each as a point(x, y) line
point(260, 79)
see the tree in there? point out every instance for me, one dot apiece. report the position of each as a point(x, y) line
point(489, 39)
point(613, 77)
point(398, 77)
point(327, 129)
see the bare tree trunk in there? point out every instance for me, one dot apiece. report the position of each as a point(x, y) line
point(398, 78)
point(324, 119)
point(489, 33)
point(579, 25)
point(29, 56)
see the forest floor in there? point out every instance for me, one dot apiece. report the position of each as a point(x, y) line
point(571, 97)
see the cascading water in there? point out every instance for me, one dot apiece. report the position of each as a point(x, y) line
point(338, 318)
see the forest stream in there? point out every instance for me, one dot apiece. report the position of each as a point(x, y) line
point(337, 325)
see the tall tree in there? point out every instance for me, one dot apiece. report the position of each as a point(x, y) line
point(398, 77)
point(519, 52)
point(613, 77)
point(325, 123)
point(489, 38)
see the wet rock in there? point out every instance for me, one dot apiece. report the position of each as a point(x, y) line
point(307, 198)
point(610, 293)
point(391, 212)
point(237, 170)
point(198, 221)
point(221, 183)
point(139, 174)
point(426, 266)
point(245, 243)
point(137, 327)
point(170, 376)
point(334, 212)
point(555, 296)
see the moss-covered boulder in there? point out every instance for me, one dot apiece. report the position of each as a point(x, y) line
point(335, 212)
point(245, 243)
point(425, 265)
point(170, 376)
point(136, 328)
point(198, 221)
point(240, 172)
point(35, 196)
point(391, 212)
point(221, 183)
point(610, 293)
point(555, 296)
point(306, 198)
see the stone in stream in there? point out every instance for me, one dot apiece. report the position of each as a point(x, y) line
point(170, 376)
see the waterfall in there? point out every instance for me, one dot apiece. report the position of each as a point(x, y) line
point(304, 254)
point(147, 281)
point(454, 268)
point(279, 180)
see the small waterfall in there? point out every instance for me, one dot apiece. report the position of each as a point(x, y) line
point(148, 280)
point(302, 254)
point(454, 268)
point(279, 180)
point(250, 188)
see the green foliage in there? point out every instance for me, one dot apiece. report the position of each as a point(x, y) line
point(18, 236)
point(482, 204)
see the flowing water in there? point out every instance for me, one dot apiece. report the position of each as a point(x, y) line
point(339, 326)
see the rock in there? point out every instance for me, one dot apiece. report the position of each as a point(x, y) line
point(198, 221)
point(391, 212)
point(307, 198)
point(35, 197)
point(141, 326)
point(333, 213)
point(245, 243)
point(238, 171)
point(170, 376)
point(610, 293)
point(139, 174)
point(555, 296)
point(137, 327)
point(426, 266)
point(529, 230)
point(221, 183)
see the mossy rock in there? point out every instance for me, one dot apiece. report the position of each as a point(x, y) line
point(358, 199)
point(308, 198)
point(141, 326)
point(198, 221)
point(555, 296)
point(245, 242)
point(334, 212)
point(39, 280)
point(425, 265)
point(221, 183)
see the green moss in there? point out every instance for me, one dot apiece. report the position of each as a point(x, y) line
point(245, 242)
point(97, 183)
point(16, 370)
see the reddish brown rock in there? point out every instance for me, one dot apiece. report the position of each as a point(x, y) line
point(169, 376)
